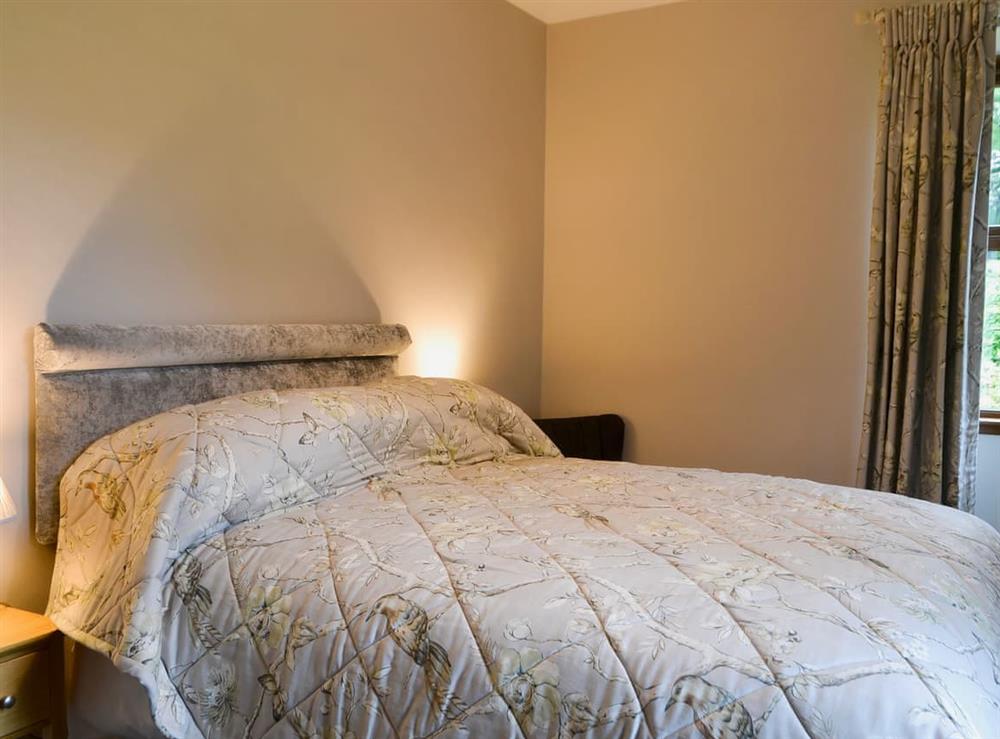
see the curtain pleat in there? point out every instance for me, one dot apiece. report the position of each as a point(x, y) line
point(928, 251)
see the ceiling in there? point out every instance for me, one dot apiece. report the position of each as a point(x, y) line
point(557, 11)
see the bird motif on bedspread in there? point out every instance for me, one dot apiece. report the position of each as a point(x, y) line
point(107, 493)
point(229, 568)
point(717, 714)
point(409, 629)
point(593, 520)
point(577, 716)
point(843, 551)
point(197, 599)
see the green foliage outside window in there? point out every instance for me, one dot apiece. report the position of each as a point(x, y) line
point(989, 396)
point(995, 162)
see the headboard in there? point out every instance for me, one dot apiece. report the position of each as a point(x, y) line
point(91, 380)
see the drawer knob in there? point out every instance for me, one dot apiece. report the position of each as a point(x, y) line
point(7, 701)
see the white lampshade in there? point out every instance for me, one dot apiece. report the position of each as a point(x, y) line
point(7, 508)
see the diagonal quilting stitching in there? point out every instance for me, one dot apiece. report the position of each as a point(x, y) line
point(180, 700)
point(374, 643)
point(313, 503)
point(257, 646)
point(889, 642)
point(359, 652)
point(240, 607)
point(444, 423)
point(937, 555)
point(924, 547)
point(805, 580)
point(465, 714)
point(176, 676)
point(339, 670)
point(336, 672)
point(870, 565)
point(154, 692)
point(465, 617)
point(957, 649)
point(728, 613)
point(555, 560)
point(381, 466)
point(159, 444)
point(394, 396)
point(347, 625)
point(132, 490)
point(378, 464)
point(198, 434)
point(673, 567)
point(757, 728)
point(106, 610)
point(124, 472)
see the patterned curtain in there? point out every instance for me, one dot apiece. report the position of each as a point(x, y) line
point(928, 251)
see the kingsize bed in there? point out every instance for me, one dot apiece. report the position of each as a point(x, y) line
point(413, 557)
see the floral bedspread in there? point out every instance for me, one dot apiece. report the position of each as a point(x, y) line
point(413, 558)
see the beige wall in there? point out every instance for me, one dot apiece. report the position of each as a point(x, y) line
point(708, 186)
point(260, 162)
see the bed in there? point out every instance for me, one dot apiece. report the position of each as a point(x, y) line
point(387, 556)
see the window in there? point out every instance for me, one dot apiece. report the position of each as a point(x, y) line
point(989, 388)
point(989, 382)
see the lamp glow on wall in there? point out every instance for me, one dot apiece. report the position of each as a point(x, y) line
point(437, 356)
point(7, 508)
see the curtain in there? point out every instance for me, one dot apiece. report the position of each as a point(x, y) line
point(928, 251)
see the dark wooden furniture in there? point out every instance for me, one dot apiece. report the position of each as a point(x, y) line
point(587, 437)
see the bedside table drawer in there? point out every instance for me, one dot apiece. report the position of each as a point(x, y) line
point(27, 679)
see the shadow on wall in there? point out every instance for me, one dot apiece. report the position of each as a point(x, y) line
point(207, 229)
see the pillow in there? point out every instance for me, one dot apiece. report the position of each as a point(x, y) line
point(136, 499)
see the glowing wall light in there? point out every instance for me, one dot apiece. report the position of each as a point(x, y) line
point(437, 356)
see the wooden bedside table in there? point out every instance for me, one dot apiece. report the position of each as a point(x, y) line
point(32, 699)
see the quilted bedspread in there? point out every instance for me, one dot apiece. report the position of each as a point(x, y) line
point(414, 558)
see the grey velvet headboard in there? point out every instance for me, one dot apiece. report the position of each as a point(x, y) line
point(91, 380)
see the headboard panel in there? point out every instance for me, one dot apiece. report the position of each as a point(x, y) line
point(92, 380)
